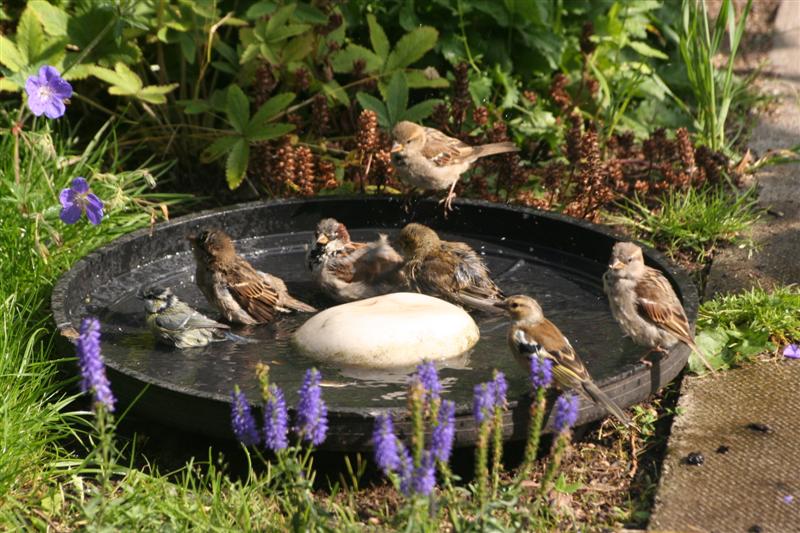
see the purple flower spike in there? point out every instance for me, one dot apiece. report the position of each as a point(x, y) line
point(406, 470)
point(242, 421)
point(47, 92)
point(500, 389)
point(541, 372)
point(385, 442)
point(312, 413)
point(426, 373)
point(444, 432)
point(93, 370)
point(275, 420)
point(76, 200)
point(424, 479)
point(483, 401)
point(566, 412)
point(792, 351)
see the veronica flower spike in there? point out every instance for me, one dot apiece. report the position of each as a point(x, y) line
point(242, 421)
point(276, 424)
point(47, 92)
point(93, 369)
point(387, 455)
point(566, 412)
point(78, 199)
point(312, 413)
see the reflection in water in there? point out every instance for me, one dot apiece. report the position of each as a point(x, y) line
point(568, 288)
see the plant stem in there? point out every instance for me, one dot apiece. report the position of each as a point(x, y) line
point(481, 459)
point(497, 449)
point(534, 434)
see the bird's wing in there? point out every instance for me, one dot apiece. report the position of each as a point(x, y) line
point(378, 261)
point(658, 304)
point(342, 265)
point(471, 274)
point(252, 291)
point(567, 366)
point(442, 150)
point(186, 318)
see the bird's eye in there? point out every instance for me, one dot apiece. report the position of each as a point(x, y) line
point(629, 259)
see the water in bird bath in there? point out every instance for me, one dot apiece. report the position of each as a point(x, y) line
point(568, 287)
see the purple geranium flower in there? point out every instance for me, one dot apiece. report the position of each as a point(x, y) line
point(47, 92)
point(424, 479)
point(312, 413)
point(483, 401)
point(76, 199)
point(426, 374)
point(242, 421)
point(385, 442)
point(541, 372)
point(275, 420)
point(566, 412)
point(93, 370)
point(792, 351)
point(444, 432)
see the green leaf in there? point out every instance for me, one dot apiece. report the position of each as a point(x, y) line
point(194, 107)
point(396, 97)
point(156, 94)
point(279, 18)
point(335, 91)
point(266, 132)
point(260, 9)
point(310, 14)
point(52, 18)
point(219, 148)
point(417, 79)
point(284, 32)
point(380, 43)
point(250, 52)
point(368, 101)
point(298, 48)
point(270, 108)
point(420, 111)
point(122, 79)
point(236, 165)
point(411, 47)
point(343, 60)
point(237, 108)
point(646, 50)
point(30, 37)
point(10, 55)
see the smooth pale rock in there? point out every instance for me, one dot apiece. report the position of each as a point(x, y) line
point(393, 330)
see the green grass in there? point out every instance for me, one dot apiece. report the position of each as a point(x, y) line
point(739, 327)
point(694, 221)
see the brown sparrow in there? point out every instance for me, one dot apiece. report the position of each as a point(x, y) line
point(448, 270)
point(241, 293)
point(532, 335)
point(426, 158)
point(644, 304)
point(347, 270)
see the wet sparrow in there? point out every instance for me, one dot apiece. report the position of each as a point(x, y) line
point(426, 158)
point(241, 293)
point(532, 335)
point(347, 270)
point(448, 270)
point(175, 323)
point(644, 304)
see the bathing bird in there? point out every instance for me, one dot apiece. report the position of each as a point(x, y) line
point(532, 335)
point(426, 158)
point(175, 323)
point(347, 270)
point(644, 304)
point(240, 293)
point(448, 270)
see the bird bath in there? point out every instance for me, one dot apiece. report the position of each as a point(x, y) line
point(554, 258)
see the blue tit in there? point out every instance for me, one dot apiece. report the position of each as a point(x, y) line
point(175, 323)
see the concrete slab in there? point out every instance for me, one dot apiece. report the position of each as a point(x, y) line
point(748, 477)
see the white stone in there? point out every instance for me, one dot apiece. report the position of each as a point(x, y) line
point(393, 330)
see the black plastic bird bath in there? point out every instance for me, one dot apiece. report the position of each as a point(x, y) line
point(554, 258)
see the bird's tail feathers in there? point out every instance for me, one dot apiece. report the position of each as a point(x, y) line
point(601, 398)
point(495, 148)
point(297, 305)
point(481, 304)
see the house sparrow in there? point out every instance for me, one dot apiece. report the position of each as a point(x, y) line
point(175, 323)
point(426, 158)
point(644, 304)
point(448, 270)
point(347, 270)
point(532, 335)
point(241, 293)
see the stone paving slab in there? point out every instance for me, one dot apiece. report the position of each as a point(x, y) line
point(755, 485)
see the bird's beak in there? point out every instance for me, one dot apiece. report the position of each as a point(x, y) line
point(616, 265)
point(501, 305)
point(322, 240)
point(396, 147)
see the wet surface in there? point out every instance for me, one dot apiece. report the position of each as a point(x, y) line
point(568, 287)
